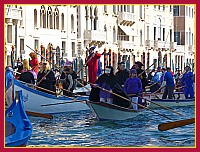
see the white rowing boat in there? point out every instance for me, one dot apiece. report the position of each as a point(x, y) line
point(105, 111)
point(38, 101)
point(172, 102)
point(177, 102)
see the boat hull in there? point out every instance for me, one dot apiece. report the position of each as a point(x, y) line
point(171, 103)
point(37, 101)
point(177, 102)
point(105, 111)
point(18, 126)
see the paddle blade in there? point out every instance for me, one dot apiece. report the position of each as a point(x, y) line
point(36, 114)
point(175, 124)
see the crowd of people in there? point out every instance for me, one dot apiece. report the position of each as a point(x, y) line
point(130, 83)
point(44, 78)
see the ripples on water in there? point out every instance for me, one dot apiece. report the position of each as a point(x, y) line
point(82, 129)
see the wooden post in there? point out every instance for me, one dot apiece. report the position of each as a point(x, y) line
point(42, 53)
point(105, 59)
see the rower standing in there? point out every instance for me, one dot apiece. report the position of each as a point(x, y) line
point(67, 77)
point(92, 63)
point(122, 73)
point(188, 81)
point(133, 87)
point(46, 78)
point(169, 88)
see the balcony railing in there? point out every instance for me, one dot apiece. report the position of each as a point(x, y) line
point(13, 13)
point(163, 44)
point(126, 45)
point(94, 35)
point(126, 16)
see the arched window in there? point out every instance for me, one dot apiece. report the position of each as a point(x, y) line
point(21, 21)
point(42, 17)
point(105, 8)
point(91, 17)
point(189, 36)
point(63, 22)
point(105, 30)
point(86, 16)
point(49, 18)
point(56, 18)
point(114, 9)
point(72, 23)
point(95, 18)
point(114, 34)
point(35, 18)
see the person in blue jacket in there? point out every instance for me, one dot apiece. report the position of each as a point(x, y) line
point(188, 81)
point(169, 87)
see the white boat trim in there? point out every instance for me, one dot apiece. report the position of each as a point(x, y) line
point(34, 99)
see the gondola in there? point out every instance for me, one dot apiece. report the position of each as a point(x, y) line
point(18, 127)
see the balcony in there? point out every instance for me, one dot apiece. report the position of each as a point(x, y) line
point(126, 18)
point(163, 44)
point(126, 45)
point(94, 35)
point(13, 13)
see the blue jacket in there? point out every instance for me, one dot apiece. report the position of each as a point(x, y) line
point(133, 85)
point(188, 79)
point(169, 79)
point(156, 77)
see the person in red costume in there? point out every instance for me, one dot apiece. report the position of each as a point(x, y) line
point(92, 63)
point(34, 62)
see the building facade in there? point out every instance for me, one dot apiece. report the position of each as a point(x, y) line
point(152, 34)
point(184, 36)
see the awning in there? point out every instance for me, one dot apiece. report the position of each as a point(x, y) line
point(127, 30)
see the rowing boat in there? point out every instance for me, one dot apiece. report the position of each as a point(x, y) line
point(41, 102)
point(179, 100)
point(18, 127)
point(105, 111)
point(172, 102)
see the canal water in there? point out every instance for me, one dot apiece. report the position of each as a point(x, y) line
point(82, 129)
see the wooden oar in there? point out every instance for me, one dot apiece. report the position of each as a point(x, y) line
point(85, 64)
point(42, 56)
point(161, 106)
point(74, 99)
point(36, 114)
point(129, 100)
point(175, 124)
point(151, 85)
point(146, 69)
point(154, 93)
point(43, 77)
point(83, 85)
point(52, 104)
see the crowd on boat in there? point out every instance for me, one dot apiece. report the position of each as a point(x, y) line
point(129, 83)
